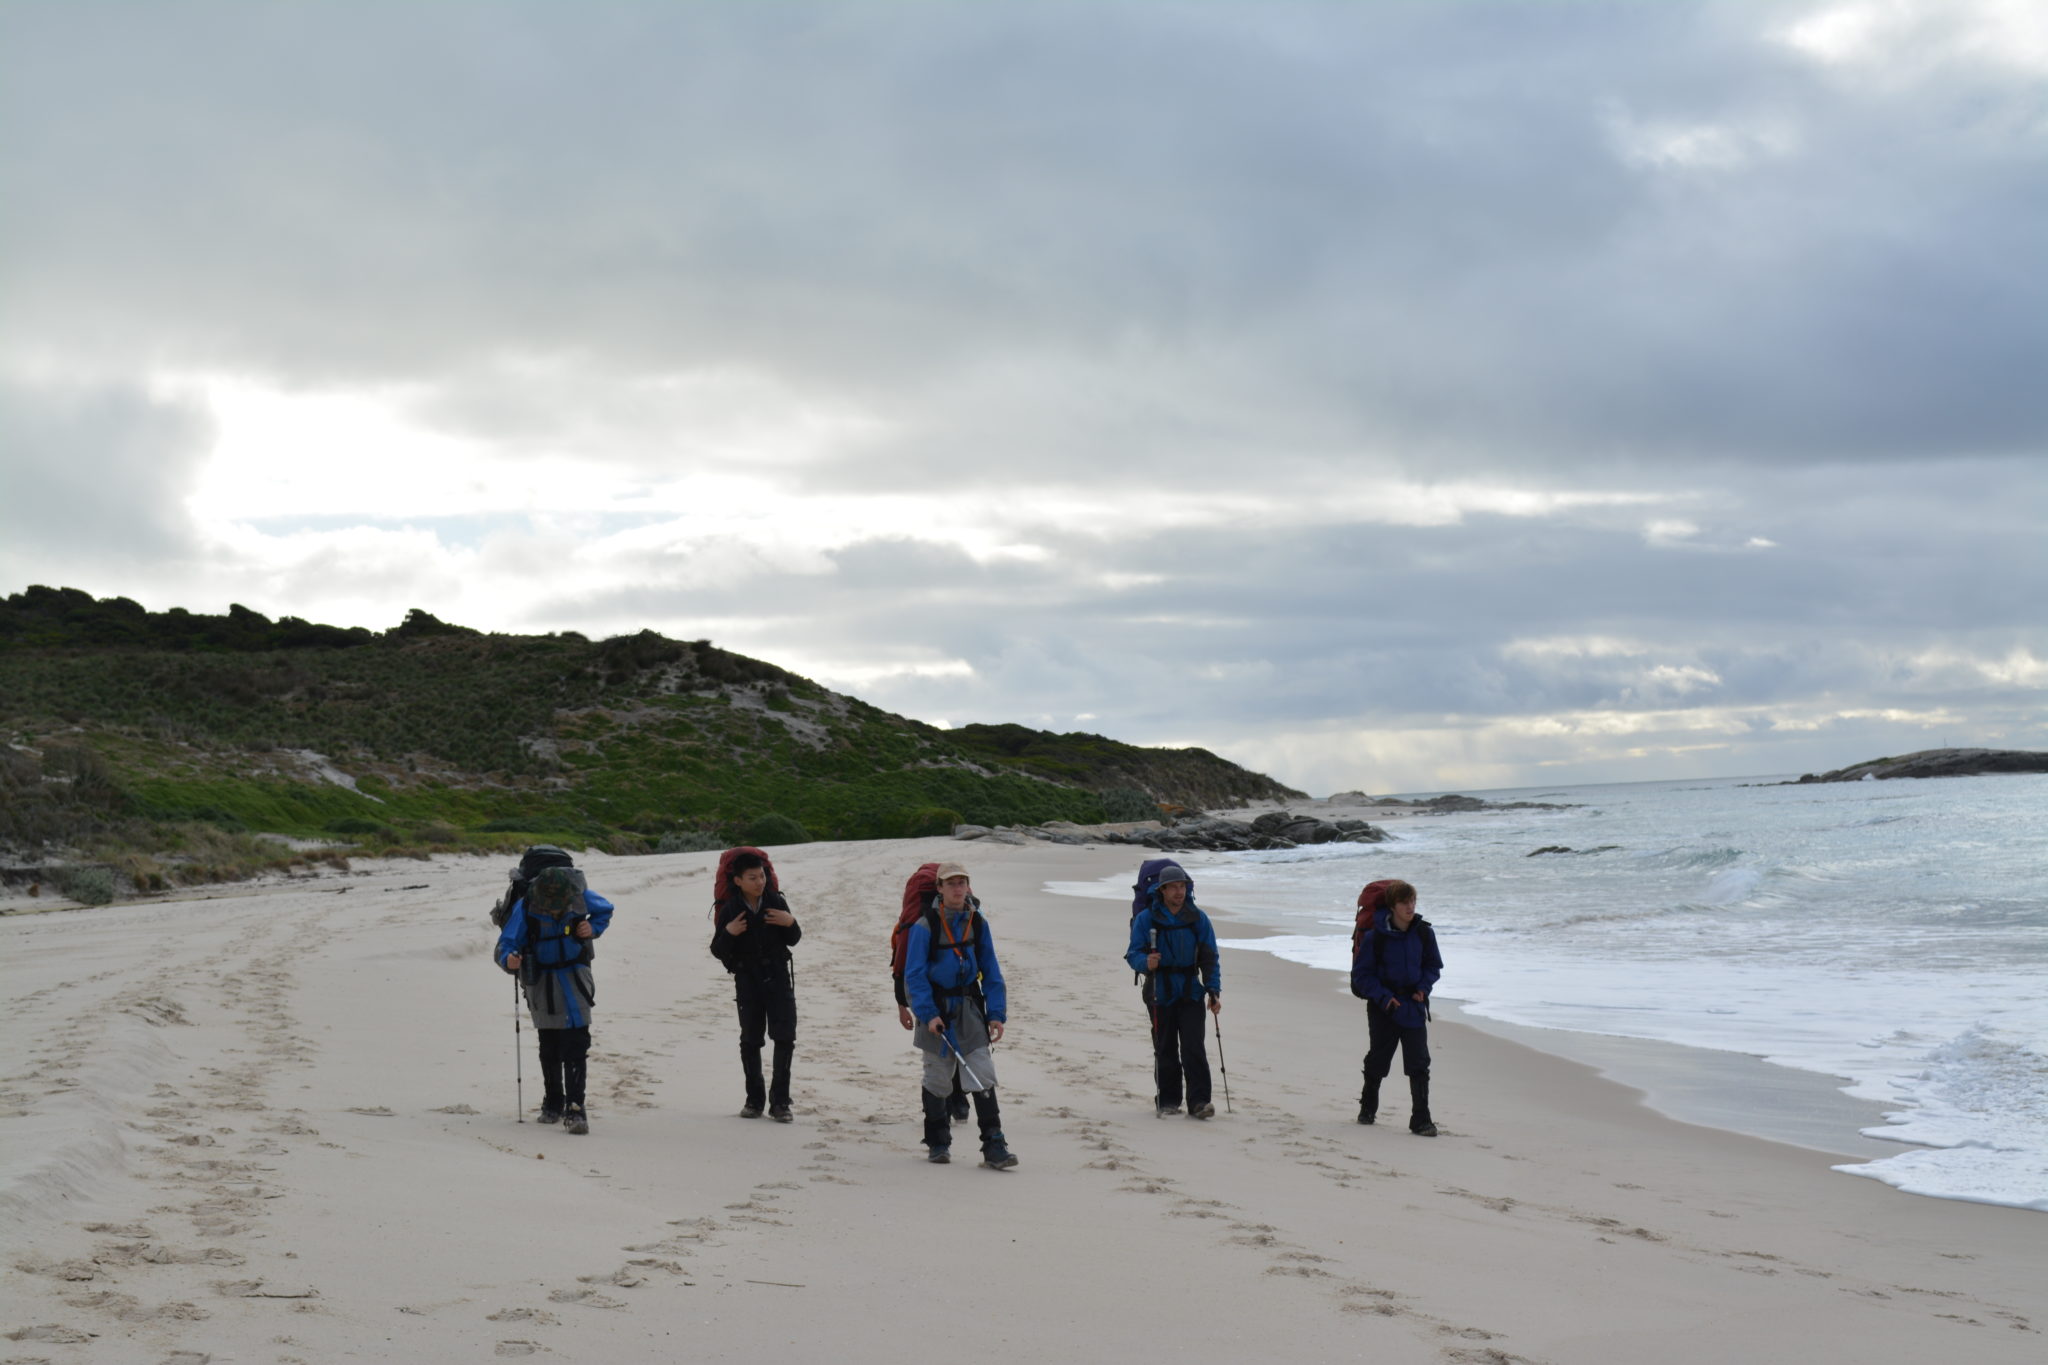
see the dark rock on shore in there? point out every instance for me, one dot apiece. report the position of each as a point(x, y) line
point(1560, 848)
point(1936, 763)
point(1275, 829)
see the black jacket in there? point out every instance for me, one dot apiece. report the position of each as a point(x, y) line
point(764, 948)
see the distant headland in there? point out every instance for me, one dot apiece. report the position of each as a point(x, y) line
point(1936, 763)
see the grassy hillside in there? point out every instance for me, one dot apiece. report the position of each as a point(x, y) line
point(159, 741)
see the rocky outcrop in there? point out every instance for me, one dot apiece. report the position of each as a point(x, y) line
point(1936, 763)
point(1458, 805)
point(1202, 833)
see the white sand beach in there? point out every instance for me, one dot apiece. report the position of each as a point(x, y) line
point(277, 1124)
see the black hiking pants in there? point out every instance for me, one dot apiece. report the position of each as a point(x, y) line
point(767, 1009)
point(1385, 1035)
point(1182, 1048)
point(563, 1054)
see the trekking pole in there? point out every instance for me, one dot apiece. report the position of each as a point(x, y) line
point(948, 1036)
point(1221, 1064)
point(518, 1062)
point(1152, 1010)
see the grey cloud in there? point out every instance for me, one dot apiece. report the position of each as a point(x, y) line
point(1396, 229)
point(95, 478)
point(1327, 624)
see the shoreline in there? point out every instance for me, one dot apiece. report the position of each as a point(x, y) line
point(1731, 1092)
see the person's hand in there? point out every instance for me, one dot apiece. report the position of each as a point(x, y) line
point(904, 1015)
point(1419, 998)
point(584, 931)
point(995, 1030)
point(780, 918)
point(938, 1027)
point(512, 962)
point(1151, 962)
point(736, 925)
point(1215, 1004)
point(1393, 1003)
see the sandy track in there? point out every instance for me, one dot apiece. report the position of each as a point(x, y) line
point(280, 1126)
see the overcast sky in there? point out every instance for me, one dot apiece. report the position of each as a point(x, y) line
point(1397, 396)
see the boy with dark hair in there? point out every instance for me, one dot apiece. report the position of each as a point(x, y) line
point(1395, 967)
point(956, 992)
point(546, 941)
point(1174, 944)
point(755, 931)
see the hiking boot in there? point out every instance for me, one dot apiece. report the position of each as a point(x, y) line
point(1166, 1109)
point(995, 1154)
point(780, 1113)
point(551, 1113)
point(956, 1105)
point(1202, 1111)
point(939, 1156)
point(1419, 1121)
point(750, 1110)
point(1369, 1099)
point(574, 1120)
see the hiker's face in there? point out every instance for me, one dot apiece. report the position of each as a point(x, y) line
point(1404, 914)
point(953, 892)
point(752, 882)
point(1175, 894)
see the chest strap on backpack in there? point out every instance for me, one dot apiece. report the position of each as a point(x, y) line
point(943, 996)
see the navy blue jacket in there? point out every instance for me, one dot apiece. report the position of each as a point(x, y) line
point(1188, 962)
point(1393, 964)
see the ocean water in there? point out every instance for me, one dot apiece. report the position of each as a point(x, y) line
point(1893, 935)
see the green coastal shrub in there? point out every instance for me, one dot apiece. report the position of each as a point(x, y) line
point(930, 821)
point(354, 824)
point(773, 828)
point(689, 841)
point(1128, 803)
point(86, 885)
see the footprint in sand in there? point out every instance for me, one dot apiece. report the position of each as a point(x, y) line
point(51, 1332)
point(539, 1317)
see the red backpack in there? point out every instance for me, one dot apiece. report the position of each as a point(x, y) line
point(722, 888)
point(1369, 908)
point(920, 899)
point(919, 894)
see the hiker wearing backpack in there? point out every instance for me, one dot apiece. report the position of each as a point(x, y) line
point(753, 931)
point(1394, 966)
point(920, 897)
point(955, 988)
point(546, 941)
point(1174, 945)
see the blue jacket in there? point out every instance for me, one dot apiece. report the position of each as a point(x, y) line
point(553, 948)
point(949, 971)
point(1393, 964)
point(1188, 962)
